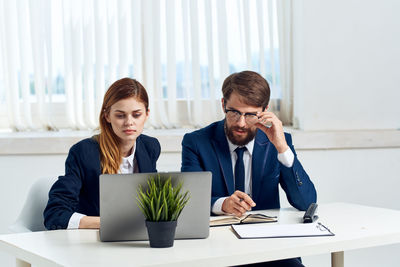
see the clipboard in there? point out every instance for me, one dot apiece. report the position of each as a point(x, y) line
point(246, 231)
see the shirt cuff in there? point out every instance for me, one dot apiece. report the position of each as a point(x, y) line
point(217, 207)
point(286, 158)
point(75, 220)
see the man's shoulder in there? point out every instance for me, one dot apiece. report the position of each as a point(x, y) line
point(287, 134)
point(205, 132)
point(261, 137)
point(204, 135)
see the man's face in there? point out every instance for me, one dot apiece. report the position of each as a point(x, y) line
point(240, 130)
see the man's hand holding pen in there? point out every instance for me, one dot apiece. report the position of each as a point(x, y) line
point(238, 203)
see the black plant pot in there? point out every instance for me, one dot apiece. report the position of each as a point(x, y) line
point(161, 234)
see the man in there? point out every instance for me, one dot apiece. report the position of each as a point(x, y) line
point(248, 154)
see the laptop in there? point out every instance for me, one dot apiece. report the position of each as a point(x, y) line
point(122, 220)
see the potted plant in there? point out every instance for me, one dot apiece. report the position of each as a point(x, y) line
point(161, 204)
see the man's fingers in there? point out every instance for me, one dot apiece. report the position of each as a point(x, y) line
point(249, 200)
point(262, 127)
point(240, 194)
point(244, 199)
point(236, 197)
point(266, 115)
point(233, 206)
point(244, 204)
point(238, 203)
point(270, 121)
point(239, 211)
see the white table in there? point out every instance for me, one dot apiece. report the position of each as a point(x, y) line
point(355, 227)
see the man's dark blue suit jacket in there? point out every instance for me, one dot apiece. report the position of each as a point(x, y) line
point(78, 189)
point(207, 150)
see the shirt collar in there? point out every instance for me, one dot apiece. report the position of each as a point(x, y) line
point(232, 147)
point(129, 159)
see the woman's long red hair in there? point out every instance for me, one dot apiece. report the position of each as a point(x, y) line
point(109, 142)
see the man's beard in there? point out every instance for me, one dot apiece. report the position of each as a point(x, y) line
point(236, 141)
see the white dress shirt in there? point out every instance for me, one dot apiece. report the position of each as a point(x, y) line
point(286, 158)
point(126, 166)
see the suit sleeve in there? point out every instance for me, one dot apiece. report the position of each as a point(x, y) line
point(191, 161)
point(64, 194)
point(300, 191)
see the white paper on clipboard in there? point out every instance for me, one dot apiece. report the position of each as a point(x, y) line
point(281, 230)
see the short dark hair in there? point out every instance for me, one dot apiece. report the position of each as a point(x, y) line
point(250, 85)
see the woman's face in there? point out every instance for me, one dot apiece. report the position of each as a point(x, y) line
point(127, 118)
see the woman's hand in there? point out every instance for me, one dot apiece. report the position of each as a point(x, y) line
point(89, 222)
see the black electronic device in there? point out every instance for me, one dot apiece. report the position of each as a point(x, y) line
point(310, 216)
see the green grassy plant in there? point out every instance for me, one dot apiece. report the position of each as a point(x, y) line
point(161, 201)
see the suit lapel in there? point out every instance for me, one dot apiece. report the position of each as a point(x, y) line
point(259, 160)
point(221, 148)
point(142, 157)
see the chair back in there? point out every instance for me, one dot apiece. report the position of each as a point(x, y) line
point(31, 217)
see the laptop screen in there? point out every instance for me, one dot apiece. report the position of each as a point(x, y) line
point(122, 220)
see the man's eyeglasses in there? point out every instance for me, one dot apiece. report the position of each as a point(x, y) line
point(234, 115)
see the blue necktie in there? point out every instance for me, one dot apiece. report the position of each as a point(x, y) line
point(239, 169)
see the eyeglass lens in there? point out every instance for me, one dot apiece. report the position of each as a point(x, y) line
point(249, 118)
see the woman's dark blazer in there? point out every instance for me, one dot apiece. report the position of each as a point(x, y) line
point(78, 189)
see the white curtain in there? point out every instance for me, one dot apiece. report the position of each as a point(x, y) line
point(58, 57)
point(285, 33)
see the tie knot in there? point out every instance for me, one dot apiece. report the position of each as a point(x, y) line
point(240, 150)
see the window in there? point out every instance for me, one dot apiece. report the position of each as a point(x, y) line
point(58, 57)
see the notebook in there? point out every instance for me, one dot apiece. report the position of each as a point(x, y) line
point(247, 218)
point(122, 220)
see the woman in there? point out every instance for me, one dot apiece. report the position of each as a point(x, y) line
point(119, 148)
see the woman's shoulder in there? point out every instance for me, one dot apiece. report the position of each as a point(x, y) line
point(149, 139)
point(86, 145)
point(150, 143)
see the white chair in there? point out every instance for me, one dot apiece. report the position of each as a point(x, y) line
point(31, 217)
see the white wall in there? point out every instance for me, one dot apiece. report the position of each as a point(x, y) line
point(347, 64)
point(347, 77)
